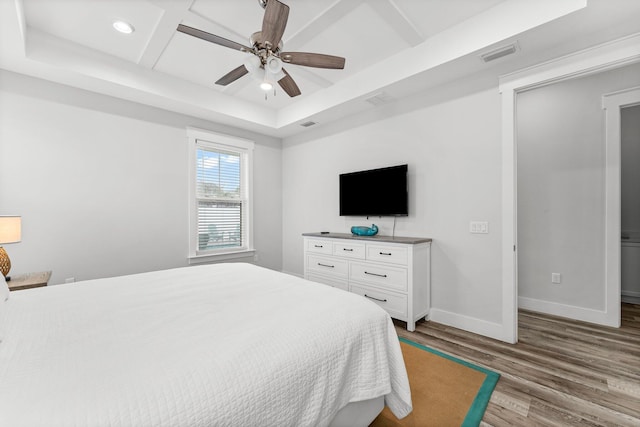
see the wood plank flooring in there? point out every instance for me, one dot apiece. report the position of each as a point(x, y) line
point(561, 372)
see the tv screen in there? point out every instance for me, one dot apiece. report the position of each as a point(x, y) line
point(375, 192)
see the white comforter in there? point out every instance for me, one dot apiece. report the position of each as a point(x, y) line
point(214, 345)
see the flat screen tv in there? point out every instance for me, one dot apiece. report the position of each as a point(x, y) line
point(375, 192)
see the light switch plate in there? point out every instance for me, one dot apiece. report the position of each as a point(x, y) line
point(479, 227)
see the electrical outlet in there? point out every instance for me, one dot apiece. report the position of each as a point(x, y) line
point(69, 280)
point(556, 278)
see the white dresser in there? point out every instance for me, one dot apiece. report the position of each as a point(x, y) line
point(394, 272)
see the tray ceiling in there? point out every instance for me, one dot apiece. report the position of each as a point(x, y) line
point(393, 46)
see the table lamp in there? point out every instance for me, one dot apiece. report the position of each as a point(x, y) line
point(9, 233)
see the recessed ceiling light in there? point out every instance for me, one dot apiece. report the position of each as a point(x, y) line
point(123, 27)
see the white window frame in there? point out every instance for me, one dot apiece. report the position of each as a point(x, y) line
point(243, 147)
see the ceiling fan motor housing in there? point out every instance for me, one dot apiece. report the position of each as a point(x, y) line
point(255, 38)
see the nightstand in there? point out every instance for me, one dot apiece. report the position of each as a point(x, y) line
point(30, 280)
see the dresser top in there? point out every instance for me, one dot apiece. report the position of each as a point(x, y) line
point(376, 238)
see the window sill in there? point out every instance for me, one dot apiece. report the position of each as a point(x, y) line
point(222, 256)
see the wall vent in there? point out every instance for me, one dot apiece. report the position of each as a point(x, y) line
point(307, 124)
point(379, 98)
point(499, 52)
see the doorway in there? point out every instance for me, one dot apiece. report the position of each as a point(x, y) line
point(625, 113)
point(569, 195)
point(589, 62)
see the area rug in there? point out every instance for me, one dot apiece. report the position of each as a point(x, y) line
point(445, 391)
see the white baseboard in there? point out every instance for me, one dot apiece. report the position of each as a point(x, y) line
point(470, 324)
point(600, 317)
point(631, 297)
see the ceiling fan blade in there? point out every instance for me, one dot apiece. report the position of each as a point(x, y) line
point(213, 38)
point(288, 85)
point(316, 60)
point(232, 76)
point(274, 23)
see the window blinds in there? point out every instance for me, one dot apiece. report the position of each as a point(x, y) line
point(220, 199)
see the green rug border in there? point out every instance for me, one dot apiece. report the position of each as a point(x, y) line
point(479, 405)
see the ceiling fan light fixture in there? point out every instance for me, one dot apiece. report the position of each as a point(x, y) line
point(272, 73)
point(252, 64)
point(266, 86)
point(273, 64)
point(279, 75)
point(123, 27)
point(267, 82)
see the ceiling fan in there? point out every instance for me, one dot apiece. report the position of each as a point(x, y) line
point(266, 47)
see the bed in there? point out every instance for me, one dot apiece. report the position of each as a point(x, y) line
point(213, 345)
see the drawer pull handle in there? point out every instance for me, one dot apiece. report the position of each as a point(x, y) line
point(318, 246)
point(377, 299)
point(347, 249)
point(326, 265)
point(385, 253)
point(375, 274)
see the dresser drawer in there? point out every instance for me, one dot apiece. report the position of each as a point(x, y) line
point(349, 250)
point(394, 304)
point(319, 246)
point(327, 265)
point(388, 271)
point(393, 278)
point(391, 254)
point(336, 282)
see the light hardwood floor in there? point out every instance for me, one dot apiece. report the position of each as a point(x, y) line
point(560, 373)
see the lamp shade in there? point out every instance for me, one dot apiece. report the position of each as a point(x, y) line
point(10, 229)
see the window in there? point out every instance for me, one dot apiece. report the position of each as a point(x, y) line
point(220, 189)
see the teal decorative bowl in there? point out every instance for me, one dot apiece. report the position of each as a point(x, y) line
point(364, 231)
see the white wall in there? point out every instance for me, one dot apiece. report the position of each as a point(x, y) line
point(561, 189)
point(101, 183)
point(452, 145)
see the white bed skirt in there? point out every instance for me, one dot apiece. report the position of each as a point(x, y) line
point(358, 414)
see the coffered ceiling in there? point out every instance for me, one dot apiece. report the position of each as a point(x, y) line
point(393, 49)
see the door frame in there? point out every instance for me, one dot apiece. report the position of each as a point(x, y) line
point(607, 56)
point(613, 103)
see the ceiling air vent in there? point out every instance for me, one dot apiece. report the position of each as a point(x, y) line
point(308, 124)
point(379, 98)
point(499, 52)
